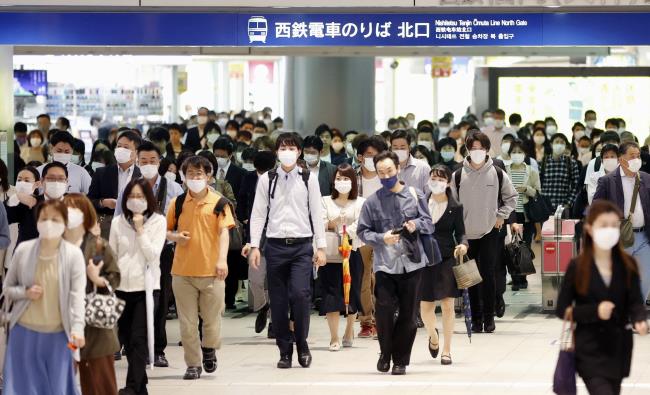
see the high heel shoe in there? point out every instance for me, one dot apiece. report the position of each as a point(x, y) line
point(434, 351)
point(445, 359)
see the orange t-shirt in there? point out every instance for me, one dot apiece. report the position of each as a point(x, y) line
point(198, 258)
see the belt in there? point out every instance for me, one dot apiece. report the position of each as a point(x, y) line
point(291, 241)
point(639, 230)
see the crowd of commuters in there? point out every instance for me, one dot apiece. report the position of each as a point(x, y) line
point(170, 221)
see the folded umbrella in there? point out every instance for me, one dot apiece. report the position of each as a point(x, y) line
point(148, 286)
point(345, 250)
point(467, 308)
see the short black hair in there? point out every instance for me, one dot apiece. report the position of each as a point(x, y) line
point(65, 121)
point(148, 146)
point(400, 134)
point(447, 141)
point(322, 128)
point(232, 124)
point(159, 134)
point(514, 119)
point(313, 142)
point(560, 135)
point(278, 120)
point(500, 112)
point(376, 142)
point(608, 148)
point(212, 158)
point(175, 126)
point(476, 135)
point(248, 153)
point(613, 121)
point(132, 136)
point(288, 139)
point(262, 125)
point(52, 165)
point(610, 137)
point(386, 155)
point(423, 123)
point(197, 162)
point(20, 127)
point(573, 128)
point(33, 170)
point(62, 137)
point(44, 116)
point(264, 161)
point(248, 121)
point(623, 148)
point(350, 132)
point(589, 112)
point(224, 143)
point(79, 146)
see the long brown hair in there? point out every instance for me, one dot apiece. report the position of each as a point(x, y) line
point(586, 257)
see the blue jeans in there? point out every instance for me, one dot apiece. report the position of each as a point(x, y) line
point(641, 252)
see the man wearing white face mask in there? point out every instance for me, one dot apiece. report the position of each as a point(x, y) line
point(55, 181)
point(62, 144)
point(590, 122)
point(324, 171)
point(629, 189)
point(288, 210)
point(109, 182)
point(192, 139)
point(609, 163)
point(497, 131)
point(414, 172)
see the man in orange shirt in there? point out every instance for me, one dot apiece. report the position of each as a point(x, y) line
point(200, 265)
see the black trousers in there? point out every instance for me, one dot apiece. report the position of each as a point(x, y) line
point(132, 329)
point(160, 318)
point(487, 254)
point(289, 273)
point(603, 386)
point(234, 275)
point(397, 294)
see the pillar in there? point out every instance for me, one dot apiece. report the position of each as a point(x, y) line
point(7, 107)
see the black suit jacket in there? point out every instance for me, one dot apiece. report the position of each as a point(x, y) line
point(246, 198)
point(610, 187)
point(104, 186)
point(24, 217)
point(193, 139)
point(326, 173)
point(603, 348)
point(235, 176)
point(450, 229)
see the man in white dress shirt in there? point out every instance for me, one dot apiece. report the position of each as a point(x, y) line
point(288, 208)
point(62, 144)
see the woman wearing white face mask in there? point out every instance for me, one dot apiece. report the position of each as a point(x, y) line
point(525, 179)
point(601, 294)
point(46, 283)
point(341, 209)
point(438, 282)
point(137, 237)
point(506, 142)
point(540, 145)
point(20, 206)
point(560, 174)
point(96, 368)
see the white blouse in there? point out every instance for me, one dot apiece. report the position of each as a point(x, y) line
point(350, 212)
point(437, 209)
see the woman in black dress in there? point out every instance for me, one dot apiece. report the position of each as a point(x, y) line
point(438, 283)
point(601, 294)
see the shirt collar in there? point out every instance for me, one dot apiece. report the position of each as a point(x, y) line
point(293, 172)
point(225, 169)
point(623, 175)
point(211, 197)
point(128, 170)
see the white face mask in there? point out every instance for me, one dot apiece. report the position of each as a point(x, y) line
point(559, 148)
point(196, 186)
point(149, 171)
point(287, 158)
point(634, 165)
point(426, 144)
point(232, 134)
point(212, 137)
point(75, 217)
point(551, 130)
point(590, 124)
point(122, 155)
point(61, 157)
point(437, 187)
point(49, 229)
point(97, 165)
point(505, 147)
point(477, 155)
point(349, 149)
point(170, 176)
point(343, 186)
point(257, 135)
point(311, 159)
point(583, 150)
point(499, 123)
point(137, 206)
point(25, 187)
point(55, 190)
point(403, 155)
point(35, 142)
point(222, 162)
point(518, 158)
point(337, 146)
point(443, 131)
point(577, 135)
point(447, 155)
point(610, 164)
point(248, 166)
point(539, 140)
point(489, 121)
point(369, 164)
point(606, 238)
point(202, 119)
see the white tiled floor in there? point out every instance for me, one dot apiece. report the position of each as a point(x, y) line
point(519, 358)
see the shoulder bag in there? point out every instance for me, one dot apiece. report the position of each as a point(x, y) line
point(627, 231)
point(564, 379)
point(466, 273)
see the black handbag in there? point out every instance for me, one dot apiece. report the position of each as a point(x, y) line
point(519, 257)
point(539, 208)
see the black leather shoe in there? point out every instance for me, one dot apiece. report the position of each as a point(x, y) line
point(285, 361)
point(434, 351)
point(500, 308)
point(304, 358)
point(262, 318)
point(515, 287)
point(477, 325)
point(383, 364)
point(161, 361)
point(398, 370)
point(192, 373)
point(488, 324)
point(209, 360)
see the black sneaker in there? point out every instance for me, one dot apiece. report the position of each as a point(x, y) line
point(500, 308)
point(161, 361)
point(262, 318)
point(209, 360)
point(192, 373)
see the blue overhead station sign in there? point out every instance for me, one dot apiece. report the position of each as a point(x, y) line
point(315, 29)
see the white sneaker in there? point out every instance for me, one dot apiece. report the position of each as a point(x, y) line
point(335, 346)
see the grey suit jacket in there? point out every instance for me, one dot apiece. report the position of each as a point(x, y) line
point(326, 174)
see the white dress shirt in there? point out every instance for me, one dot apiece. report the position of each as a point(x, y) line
point(628, 189)
point(370, 185)
point(123, 178)
point(289, 214)
point(78, 178)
